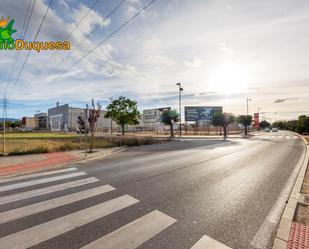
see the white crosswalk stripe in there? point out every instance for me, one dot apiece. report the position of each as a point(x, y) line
point(24, 177)
point(37, 234)
point(209, 243)
point(128, 236)
point(135, 233)
point(46, 190)
point(40, 181)
point(52, 203)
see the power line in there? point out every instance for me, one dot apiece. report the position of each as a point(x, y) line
point(24, 30)
point(91, 33)
point(108, 37)
point(36, 36)
point(77, 25)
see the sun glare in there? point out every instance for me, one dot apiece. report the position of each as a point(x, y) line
point(229, 77)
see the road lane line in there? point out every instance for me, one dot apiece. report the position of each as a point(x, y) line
point(208, 243)
point(46, 190)
point(265, 232)
point(39, 181)
point(40, 233)
point(17, 178)
point(135, 233)
point(18, 213)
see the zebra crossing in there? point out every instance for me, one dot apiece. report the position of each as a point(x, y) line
point(276, 136)
point(128, 236)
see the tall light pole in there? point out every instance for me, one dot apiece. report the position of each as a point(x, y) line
point(111, 99)
point(180, 90)
point(248, 99)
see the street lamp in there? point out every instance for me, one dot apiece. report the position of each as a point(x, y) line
point(111, 99)
point(248, 106)
point(180, 90)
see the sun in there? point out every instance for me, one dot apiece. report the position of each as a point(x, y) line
point(229, 77)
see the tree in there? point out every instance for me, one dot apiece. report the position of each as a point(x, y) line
point(245, 120)
point(264, 124)
point(222, 119)
point(169, 117)
point(94, 114)
point(124, 112)
point(303, 124)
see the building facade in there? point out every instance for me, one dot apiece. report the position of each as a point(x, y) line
point(41, 121)
point(27, 123)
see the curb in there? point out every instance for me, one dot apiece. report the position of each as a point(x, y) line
point(62, 165)
point(85, 160)
point(285, 225)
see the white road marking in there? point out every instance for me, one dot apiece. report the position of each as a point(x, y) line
point(18, 213)
point(46, 190)
point(17, 178)
point(208, 243)
point(39, 181)
point(263, 235)
point(51, 229)
point(135, 233)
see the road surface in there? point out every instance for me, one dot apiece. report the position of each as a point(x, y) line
point(158, 196)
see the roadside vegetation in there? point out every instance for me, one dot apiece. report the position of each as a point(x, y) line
point(35, 143)
point(301, 125)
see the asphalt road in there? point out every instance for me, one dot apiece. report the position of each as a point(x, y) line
point(222, 189)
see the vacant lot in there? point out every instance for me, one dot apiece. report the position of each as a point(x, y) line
point(32, 143)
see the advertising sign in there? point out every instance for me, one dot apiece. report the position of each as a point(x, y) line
point(201, 113)
point(154, 115)
point(256, 120)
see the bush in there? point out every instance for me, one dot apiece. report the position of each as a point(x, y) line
point(37, 150)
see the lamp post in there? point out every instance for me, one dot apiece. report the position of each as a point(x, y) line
point(248, 106)
point(180, 90)
point(111, 99)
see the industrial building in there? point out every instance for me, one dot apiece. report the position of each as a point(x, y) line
point(64, 118)
point(27, 123)
point(41, 122)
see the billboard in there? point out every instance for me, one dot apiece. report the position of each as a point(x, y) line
point(201, 113)
point(154, 115)
point(256, 120)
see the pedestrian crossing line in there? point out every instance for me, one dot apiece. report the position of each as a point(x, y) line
point(39, 181)
point(46, 190)
point(18, 213)
point(135, 233)
point(40, 233)
point(208, 243)
point(17, 178)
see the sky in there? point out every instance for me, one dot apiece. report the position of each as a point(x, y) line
point(222, 52)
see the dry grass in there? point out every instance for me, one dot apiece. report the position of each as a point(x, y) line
point(33, 143)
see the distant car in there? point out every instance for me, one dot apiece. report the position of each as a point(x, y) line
point(274, 129)
point(267, 129)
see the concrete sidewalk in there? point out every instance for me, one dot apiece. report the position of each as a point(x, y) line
point(12, 165)
point(293, 231)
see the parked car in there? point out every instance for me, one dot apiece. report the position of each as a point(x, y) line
point(267, 129)
point(274, 129)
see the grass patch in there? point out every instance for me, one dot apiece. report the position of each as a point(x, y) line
point(34, 143)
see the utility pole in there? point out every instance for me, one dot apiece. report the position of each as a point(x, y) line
point(180, 90)
point(111, 99)
point(4, 121)
point(248, 106)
